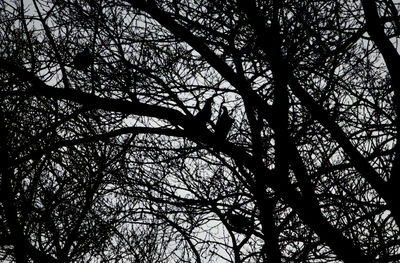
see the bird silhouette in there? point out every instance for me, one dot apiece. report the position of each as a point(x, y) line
point(239, 223)
point(224, 124)
point(204, 115)
point(83, 59)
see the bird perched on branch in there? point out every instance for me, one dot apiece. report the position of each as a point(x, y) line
point(239, 223)
point(224, 124)
point(204, 115)
point(83, 59)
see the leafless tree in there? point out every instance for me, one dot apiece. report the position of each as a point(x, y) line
point(199, 131)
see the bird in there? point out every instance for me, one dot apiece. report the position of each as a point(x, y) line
point(204, 115)
point(239, 223)
point(83, 59)
point(224, 124)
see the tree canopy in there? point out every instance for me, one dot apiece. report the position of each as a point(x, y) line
point(199, 131)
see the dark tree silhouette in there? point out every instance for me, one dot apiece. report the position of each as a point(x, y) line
point(120, 164)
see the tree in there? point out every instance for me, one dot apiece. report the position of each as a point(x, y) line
point(110, 162)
